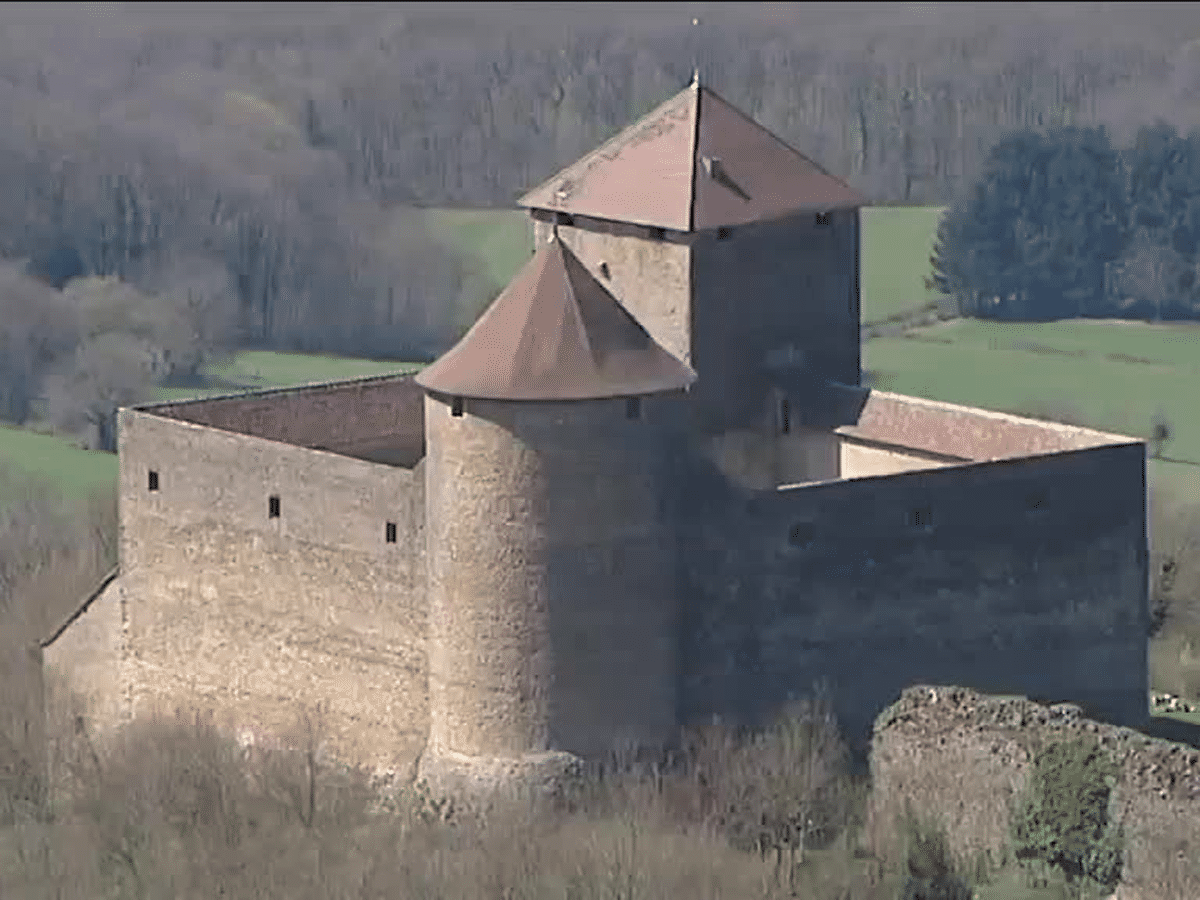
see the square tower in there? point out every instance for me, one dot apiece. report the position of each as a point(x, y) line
point(738, 254)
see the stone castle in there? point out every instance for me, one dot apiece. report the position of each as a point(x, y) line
point(647, 488)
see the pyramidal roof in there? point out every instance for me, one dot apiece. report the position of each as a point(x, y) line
point(694, 163)
point(555, 333)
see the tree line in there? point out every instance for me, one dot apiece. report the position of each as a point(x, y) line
point(1062, 224)
point(258, 178)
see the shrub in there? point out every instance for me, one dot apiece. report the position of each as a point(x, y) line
point(1062, 820)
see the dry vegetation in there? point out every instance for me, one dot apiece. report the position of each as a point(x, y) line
point(179, 809)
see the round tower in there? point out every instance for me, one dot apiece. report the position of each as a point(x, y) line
point(550, 430)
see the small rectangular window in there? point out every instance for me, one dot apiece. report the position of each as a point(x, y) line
point(389, 532)
point(633, 407)
point(456, 407)
point(153, 480)
point(822, 220)
point(273, 506)
point(723, 234)
point(785, 416)
point(564, 219)
point(922, 517)
point(658, 234)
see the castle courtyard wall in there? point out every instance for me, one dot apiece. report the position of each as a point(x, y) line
point(380, 418)
point(257, 616)
point(1024, 576)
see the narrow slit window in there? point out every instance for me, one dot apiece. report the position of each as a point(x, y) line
point(456, 407)
point(785, 416)
point(604, 270)
point(273, 506)
point(153, 480)
point(921, 517)
point(633, 407)
point(389, 532)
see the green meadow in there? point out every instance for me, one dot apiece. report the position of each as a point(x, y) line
point(1115, 376)
point(1111, 375)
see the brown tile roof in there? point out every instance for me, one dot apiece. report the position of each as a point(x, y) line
point(977, 435)
point(555, 333)
point(694, 163)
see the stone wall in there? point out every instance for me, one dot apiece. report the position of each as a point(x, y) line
point(963, 758)
point(378, 419)
point(87, 654)
point(254, 614)
point(1020, 576)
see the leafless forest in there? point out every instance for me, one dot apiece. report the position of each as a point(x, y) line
point(241, 162)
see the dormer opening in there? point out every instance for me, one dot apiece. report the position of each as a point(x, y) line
point(561, 218)
point(658, 234)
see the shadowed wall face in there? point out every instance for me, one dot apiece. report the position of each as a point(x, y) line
point(778, 294)
point(254, 605)
point(1024, 576)
point(551, 577)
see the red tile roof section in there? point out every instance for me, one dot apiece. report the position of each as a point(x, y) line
point(694, 163)
point(555, 333)
point(971, 434)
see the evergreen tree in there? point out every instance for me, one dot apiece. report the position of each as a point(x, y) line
point(1033, 238)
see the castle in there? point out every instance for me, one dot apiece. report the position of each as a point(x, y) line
point(647, 488)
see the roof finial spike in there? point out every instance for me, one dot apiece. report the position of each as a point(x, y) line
point(696, 77)
point(553, 234)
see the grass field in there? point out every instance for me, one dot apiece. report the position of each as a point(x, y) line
point(896, 243)
point(1114, 376)
point(78, 472)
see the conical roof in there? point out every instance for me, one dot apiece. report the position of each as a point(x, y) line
point(694, 163)
point(555, 333)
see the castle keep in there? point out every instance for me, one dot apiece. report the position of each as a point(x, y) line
point(646, 488)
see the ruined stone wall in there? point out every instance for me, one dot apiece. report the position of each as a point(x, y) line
point(963, 758)
point(1021, 576)
point(370, 418)
point(650, 277)
point(553, 624)
point(253, 615)
point(782, 293)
